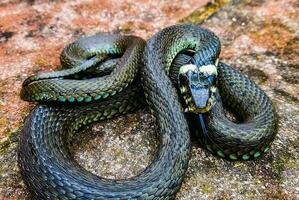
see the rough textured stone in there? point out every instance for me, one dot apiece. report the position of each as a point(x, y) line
point(260, 38)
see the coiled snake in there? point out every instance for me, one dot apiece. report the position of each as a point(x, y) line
point(72, 98)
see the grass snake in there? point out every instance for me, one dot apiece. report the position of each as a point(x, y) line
point(108, 75)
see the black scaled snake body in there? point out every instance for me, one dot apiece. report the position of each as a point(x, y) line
point(49, 170)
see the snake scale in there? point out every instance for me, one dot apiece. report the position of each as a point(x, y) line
point(70, 100)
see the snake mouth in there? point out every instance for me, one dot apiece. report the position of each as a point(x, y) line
point(198, 87)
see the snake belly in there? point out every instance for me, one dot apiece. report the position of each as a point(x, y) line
point(50, 171)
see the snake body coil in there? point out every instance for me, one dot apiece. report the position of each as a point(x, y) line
point(50, 171)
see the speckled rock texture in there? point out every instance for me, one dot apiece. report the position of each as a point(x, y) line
point(260, 38)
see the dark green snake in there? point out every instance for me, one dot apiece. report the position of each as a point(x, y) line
point(70, 99)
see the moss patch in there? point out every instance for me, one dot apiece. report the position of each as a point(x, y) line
point(203, 13)
point(7, 142)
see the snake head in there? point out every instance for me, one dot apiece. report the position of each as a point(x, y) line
point(198, 87)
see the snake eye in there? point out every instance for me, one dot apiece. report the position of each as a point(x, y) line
point(212, 80)
point(194, 77)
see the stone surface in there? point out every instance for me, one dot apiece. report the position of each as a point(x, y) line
point(260, 38)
